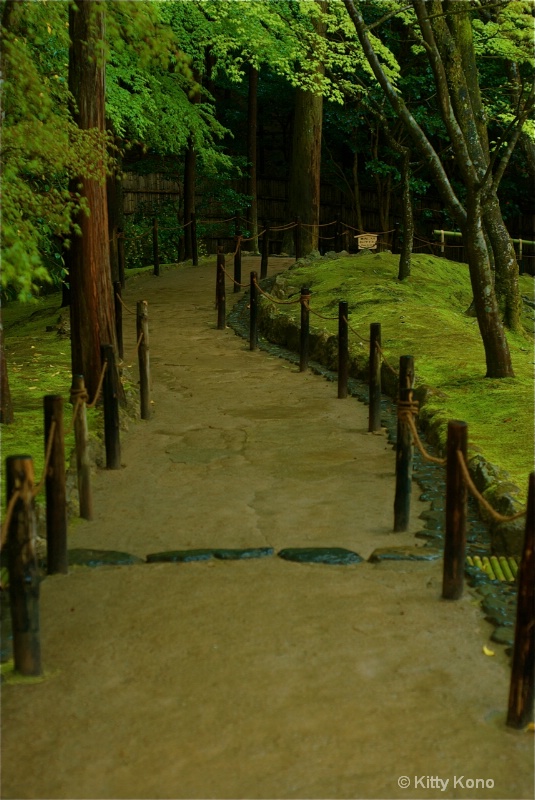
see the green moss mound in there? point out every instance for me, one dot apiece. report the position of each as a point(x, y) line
point(425, 316)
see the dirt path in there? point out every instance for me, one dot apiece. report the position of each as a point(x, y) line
point(259, 678)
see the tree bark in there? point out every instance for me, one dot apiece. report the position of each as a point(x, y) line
point(470, 161)
point(505, 263)
point(304, 184)
point(251, 157)
point(92, 308)
point(404, 269)
point(190, 172)
point(114, 195)
point(356, 191)
point(497, 355)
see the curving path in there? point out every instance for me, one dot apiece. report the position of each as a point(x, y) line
point(261, 677)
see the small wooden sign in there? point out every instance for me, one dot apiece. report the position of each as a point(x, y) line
point(367, 241)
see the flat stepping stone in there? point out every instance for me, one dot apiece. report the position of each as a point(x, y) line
point(80, 557)
point(180, 556)
point(238, 555)
point(504, 635)
point(225, 554)
point(405, 554)
point(320, 555)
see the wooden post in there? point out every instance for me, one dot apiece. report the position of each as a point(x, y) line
point(24, 576)
point(253, 318)
point(237, 262)
point(220, 291)
point(56, 498)
point(374, 410)
point(265, 252)
point(81, 437)
point(404, 450)
point(121, 256)
point(456, 493)
point(305, 330)
point(194, 244)
point(343, 349)
point(117, 292)
point(521, 692)
point(155, 250)
point(297, 238)
point(142, 329)
point(110, 396)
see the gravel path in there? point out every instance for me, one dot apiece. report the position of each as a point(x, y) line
point(259, 677)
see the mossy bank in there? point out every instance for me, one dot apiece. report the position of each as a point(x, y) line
point(424, 316)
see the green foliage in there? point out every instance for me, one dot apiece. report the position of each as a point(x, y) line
point(41, 146)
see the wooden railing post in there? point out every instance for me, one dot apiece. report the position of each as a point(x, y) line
point(155, 248)
point(110, 396)
point(404, 450)
point(521, 692)
point(220, 291)
point(142, 329)
point(56, 498)
point(305, 330)
point(81, 437)
point(265, 252)
point(456, 494)
point(374, 383)
point(253, 319)
point(343, 348)
point(24, 579)
point(117, 292)
point(237, 261)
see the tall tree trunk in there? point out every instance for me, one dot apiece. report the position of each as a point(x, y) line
point(251, 157)
point(190, 172)
point(497, 355)
point(404, 269)
point(356, 191)
point(450, 95)
point(304, 184)
point(6, 406)
point(92, 308)
point(505, 263)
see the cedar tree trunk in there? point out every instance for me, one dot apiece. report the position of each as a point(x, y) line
point(92, 308)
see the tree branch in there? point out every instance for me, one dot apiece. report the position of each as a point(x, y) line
point(421, 141)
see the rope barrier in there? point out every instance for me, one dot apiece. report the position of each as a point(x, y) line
point(241, 285)
point(238, 244)
point(274, 300)
point(406, 411)
point(496, 516)
point(316, 314)
point(139, 341)
point(387, 364)
point(99, 387)
point(48, 453)
point(357, 334)
point(9, 512)
point(120, 299)
point(285, 227)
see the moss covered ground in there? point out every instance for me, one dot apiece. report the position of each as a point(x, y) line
point(424, 316)
point(39, 363)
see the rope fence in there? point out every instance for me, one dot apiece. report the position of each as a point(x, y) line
point(18, 528)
